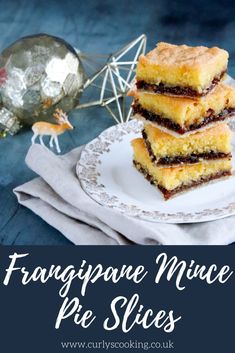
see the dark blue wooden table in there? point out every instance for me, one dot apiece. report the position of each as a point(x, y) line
point(95, 27)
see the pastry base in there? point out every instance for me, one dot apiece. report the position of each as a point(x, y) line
point(177, 160)
point(170, 193)
point(177, 91)
point(169, 125)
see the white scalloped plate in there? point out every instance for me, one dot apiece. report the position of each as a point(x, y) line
point(107, 175)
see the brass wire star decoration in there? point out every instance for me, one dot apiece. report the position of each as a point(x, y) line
point(114, 79)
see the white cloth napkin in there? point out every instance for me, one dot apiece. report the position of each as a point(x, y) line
point(57, 197)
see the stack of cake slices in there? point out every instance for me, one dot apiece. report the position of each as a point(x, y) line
point(185, 107)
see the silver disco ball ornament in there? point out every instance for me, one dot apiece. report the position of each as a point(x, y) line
point(38, 74)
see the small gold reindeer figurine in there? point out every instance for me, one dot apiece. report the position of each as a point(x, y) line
point(43, 128)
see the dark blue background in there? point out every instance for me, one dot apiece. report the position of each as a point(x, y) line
point(28, 313)
point(95, 27)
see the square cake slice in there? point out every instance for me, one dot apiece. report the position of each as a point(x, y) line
point(171, 181)
point(167, 150)
point(181, 70)
point(183, 115)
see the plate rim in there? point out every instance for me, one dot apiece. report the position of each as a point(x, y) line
point(88, 177)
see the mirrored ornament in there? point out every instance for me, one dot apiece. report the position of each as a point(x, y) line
point(38, 74)
point(8, 123)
